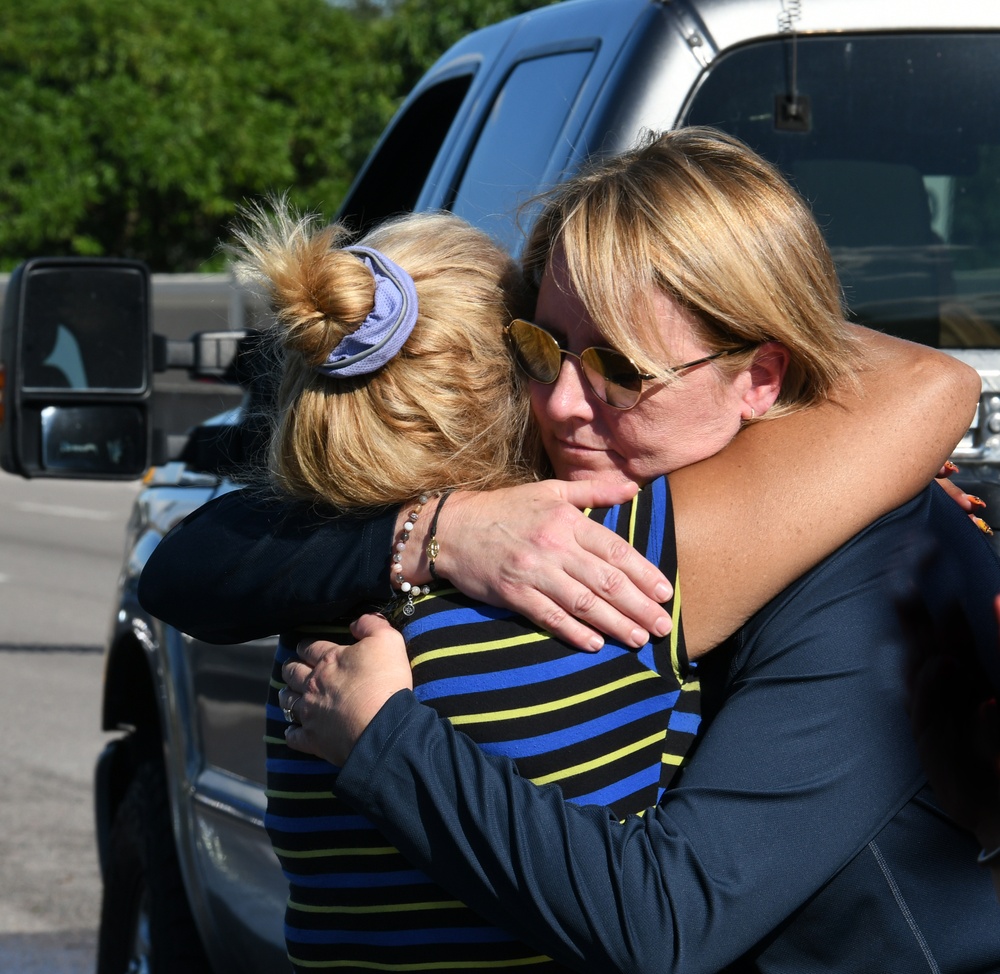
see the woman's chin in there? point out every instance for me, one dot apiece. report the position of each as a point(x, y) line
point(602, 474)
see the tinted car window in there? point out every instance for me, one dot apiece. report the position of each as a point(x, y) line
point(897, 148)
point(516, 143)
point(394, 176)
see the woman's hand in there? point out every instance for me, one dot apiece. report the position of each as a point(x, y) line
point(531, 549)
point(334, 691)
point(968, 502)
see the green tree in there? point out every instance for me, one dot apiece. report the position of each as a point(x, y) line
point(414, 33)
point(136, 127)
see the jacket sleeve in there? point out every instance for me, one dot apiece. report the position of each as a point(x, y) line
point(808, 757)
point(246, 565)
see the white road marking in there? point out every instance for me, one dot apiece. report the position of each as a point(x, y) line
point(63, 510)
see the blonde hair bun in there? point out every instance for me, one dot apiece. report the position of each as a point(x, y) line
point(318, 292)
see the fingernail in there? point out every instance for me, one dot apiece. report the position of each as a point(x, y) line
point(639, 637)
point(662, 592)
point(662, 626)
point(596, 643)
point(950, 467)
point(982, 525)
point(975, 501)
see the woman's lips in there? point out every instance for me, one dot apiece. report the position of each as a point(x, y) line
point(572, 447)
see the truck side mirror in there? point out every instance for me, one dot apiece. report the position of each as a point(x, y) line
point(76, 347)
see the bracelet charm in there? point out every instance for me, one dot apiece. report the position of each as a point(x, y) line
point(407, 589)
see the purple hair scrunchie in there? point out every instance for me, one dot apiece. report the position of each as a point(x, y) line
point(382, 334)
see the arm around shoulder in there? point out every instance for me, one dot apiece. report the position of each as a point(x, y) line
point(788, 492)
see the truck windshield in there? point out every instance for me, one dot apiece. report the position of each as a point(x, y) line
point(895, 142)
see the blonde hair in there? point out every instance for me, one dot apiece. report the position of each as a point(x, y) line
point(449, 410)
point(698, 215)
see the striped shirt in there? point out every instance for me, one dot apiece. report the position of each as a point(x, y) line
point(609, 728)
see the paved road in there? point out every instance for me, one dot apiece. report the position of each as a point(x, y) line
point(60, 551)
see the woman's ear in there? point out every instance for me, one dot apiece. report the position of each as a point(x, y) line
point(766, 375)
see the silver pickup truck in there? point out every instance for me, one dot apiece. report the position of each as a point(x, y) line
point(883, 114)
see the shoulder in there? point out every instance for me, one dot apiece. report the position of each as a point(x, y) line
point(845, 607)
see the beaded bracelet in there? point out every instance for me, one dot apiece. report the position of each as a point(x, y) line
point(988, 858)
point(410, 591)
point(433, 548)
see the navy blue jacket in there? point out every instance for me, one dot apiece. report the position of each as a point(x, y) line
point(802, 836)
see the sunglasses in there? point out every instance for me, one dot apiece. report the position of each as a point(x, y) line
point(614, 378)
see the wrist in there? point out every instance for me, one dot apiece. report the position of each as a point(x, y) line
point(430, 522)
point(433, 547)
point(450, 525)
point(408, 564)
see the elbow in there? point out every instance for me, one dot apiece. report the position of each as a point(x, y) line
point(969, 386)
point(159, 593)
point(150, 593)
point(951, 390)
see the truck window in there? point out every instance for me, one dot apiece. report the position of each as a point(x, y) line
point(517, 143)
point(393, 178)
point(899, 157)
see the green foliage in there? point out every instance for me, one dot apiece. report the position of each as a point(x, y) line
point(416, 32)
point(135, 127)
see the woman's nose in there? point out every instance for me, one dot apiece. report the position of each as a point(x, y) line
point(569, 396)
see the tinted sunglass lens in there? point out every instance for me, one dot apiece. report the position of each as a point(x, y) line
point(536, 350)
point(612, 377)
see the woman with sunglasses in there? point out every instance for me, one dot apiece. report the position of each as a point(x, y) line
point(801, 835)
point(627, 446)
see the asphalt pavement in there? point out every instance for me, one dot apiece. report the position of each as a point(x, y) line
point(61, 545)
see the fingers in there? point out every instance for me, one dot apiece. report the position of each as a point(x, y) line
point(968, 502)
point(956, 493)
point(604, 585)
point(370, 624)
point(612, 555)
point(619, 592)
point(311, 650)
point(301, 739)
point(595, 597)
point(296, 672)
point(595, 493)
point(287, 699)
point(566, 573)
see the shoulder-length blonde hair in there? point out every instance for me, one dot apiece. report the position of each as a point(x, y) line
point(448, 410)
point(698, 215)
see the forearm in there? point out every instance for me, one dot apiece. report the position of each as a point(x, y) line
point(677, 890)
point(788, 492)
point(572, 881)
point(244, 566)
